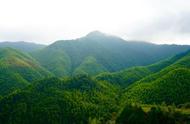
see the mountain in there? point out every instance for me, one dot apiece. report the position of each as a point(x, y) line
point(21, 45)
point(174, 87)
point(89, 67)
point(54, 100)
point(94, 80)
point(17, 69)
point(110, 53)
point(55, 60)
point(130, 75)
point(170, 85)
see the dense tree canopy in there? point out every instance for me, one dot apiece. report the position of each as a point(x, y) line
point(94, 80)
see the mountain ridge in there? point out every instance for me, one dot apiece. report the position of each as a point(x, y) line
point(112, 52)
point(172, 80)
point(18, 69)
point(22, 45)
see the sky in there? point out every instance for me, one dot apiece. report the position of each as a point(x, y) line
point(45, 21)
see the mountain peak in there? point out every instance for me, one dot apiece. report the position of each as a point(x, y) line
point(95, 34)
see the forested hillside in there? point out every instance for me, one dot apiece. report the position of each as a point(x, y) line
point(109, 53)
point(65, 101)
point(18, 69)
point(128, 76)
point(170, 85)
point(96, 79)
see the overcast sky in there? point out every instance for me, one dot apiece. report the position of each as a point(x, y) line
point(45, 21)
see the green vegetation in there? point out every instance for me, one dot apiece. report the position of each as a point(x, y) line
point(97, 79)
point(80, 99)
point(128, 76)
point(170, 85)
point(69, 57)
point(89, 67)
point(125, 77)
point(174, 87)
point(53, 100)
point(55, 60)
point(134, 114)
point(17, 70)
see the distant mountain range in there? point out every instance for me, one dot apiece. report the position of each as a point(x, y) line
point(95, 53)
point(21, 45)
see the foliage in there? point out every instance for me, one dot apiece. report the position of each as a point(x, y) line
point(174, 87)
point(69, 57)
point(60, 101)
point(134, 114)
point(17, 70)
point(89, 67)
point(86, 88)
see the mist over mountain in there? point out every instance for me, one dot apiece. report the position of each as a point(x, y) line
point(111, 53)
point(21, 45)
point(94, 62)
point(95, 79)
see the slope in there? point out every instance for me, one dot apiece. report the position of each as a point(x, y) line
point(174, 87)
point(128, 76)
point(89, 67)
point(17, 69)
point(170, 85)
point(54, 100)
point(55, 60)
point(113, 53)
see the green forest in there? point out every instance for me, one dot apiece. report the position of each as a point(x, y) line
point(96, 79)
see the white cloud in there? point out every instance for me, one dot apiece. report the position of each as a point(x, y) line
point(45, 21)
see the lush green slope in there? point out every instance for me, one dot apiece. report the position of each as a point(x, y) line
point(84, 99)
point(125, 77)
point(86, 88)
point(17, 69)
point(128, 76)
point(156, 114)
point(181, 62)
point(67, 101)
point(89, 67)
point(170, 85)
point(110, 52)
point(55, 60)
point(79, 100)
point(23, 46)
point(173, 87)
